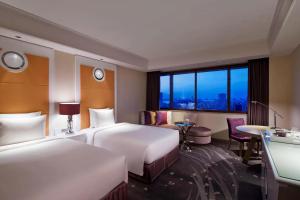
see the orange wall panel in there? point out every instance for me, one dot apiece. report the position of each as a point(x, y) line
point(95, 94)
point(27, 91)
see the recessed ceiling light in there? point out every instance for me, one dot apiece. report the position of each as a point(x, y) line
point(17, 36)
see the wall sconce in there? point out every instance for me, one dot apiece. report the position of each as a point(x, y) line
point(13, 61)
point(98, 74)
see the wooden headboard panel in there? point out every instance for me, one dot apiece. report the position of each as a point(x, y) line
point(27, 91)
point(95, 94)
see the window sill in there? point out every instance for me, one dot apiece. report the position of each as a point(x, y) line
point(204, 111)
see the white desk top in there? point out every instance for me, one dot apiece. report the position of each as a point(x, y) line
point(285, 160)
point(252, 129)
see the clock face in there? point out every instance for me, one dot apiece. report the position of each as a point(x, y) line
point(98, 74)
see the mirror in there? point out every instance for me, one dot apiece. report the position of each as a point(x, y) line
point(13, 61)
point(98, 74)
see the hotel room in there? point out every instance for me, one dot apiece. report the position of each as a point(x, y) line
point(154, 100)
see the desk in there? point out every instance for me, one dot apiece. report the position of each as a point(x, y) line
point(255, 132)
point(281, 169)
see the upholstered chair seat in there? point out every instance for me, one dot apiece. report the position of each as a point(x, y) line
point(234, 134)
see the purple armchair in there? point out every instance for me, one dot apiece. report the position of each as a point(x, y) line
point(234, 134)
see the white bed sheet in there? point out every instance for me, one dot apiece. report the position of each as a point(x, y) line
point(59, 169)
point(139, 143)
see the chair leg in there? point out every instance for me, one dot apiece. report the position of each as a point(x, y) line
point(241, 148)
point(229, 143)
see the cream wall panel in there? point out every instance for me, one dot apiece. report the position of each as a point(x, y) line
point(131, 88)
point(295, 111)
point(280, 92)
point(64, 88)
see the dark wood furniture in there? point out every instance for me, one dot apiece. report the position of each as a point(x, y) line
point(118, 193)
point(154, 169)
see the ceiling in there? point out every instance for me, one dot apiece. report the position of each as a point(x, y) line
point(166, 33)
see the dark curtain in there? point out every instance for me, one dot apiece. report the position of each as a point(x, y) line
point(258, 91)
point(153, 87)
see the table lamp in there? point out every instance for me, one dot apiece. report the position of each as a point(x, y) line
point(275, 113)
point(69, 109)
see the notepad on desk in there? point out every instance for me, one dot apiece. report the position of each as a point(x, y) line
point(291, 138)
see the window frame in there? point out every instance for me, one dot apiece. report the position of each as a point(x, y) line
point(207, 69)
point(169, 91)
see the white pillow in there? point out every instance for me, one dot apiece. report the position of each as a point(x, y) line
point(15, 130)
point(20, 115)
point(92, 115)
point(101, 117)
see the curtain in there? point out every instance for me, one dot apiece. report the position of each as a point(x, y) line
point(153, 89)
point(258, 91)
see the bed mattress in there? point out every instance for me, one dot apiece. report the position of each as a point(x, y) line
point(59, 169)
point(139, 143)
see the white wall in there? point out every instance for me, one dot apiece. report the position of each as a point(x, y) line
point(131, 94)
point(280, 94)
point(64, 87)
point(295, 110)
point(285, 89)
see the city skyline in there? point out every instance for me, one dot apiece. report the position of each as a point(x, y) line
point(211, 90)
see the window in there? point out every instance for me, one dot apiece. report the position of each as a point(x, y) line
point(164, 97)
point(212, 90)
point(184, 91)
point(222, 89)
point(239, 90)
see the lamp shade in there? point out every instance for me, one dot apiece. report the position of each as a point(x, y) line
point(69, 108)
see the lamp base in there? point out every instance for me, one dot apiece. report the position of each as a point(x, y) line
point(67, 131)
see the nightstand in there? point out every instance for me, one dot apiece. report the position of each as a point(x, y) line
point(77, 135)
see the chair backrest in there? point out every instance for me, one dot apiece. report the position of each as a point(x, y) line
point(233, 123)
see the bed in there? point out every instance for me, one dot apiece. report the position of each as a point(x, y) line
point(34, 167)
point(148, 150)
point(61, 169)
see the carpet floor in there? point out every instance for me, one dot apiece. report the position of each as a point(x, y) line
point(209, 172)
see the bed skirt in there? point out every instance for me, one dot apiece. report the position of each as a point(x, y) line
point(118, 193)
point(154, 169)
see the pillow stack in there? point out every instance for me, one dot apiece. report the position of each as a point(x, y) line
point(101, 117)
point(21, 127)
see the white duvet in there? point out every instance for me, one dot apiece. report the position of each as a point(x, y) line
point(59, 169)
point(139, 143)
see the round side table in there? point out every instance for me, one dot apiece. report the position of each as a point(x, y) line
point(184, 130)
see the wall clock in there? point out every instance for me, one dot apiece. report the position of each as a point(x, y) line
point(13, 61)
point(99, 74)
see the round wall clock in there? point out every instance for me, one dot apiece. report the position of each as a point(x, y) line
point(13, 61)
point(98, 74)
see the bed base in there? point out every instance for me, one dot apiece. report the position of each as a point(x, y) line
point(154, 169)
point(118, 193)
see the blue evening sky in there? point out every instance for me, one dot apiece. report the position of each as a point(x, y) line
point(184, 86)
point(209, 84)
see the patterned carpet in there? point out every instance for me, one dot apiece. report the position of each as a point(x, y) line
point(209, 172)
